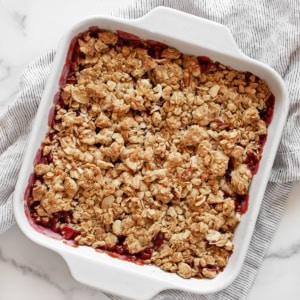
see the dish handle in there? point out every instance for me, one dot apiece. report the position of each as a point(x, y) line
point(189, 28)
point(118, 281)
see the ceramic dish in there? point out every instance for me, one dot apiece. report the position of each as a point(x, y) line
point(189, 34)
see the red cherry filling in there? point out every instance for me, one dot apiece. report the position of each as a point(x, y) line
point(155, 48)
point(205, 63)
point(252, 162)
point(241, 203)
point(69, 233)
point(266, 114)
point(120, 250)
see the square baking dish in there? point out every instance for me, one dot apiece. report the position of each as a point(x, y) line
point(191, 35)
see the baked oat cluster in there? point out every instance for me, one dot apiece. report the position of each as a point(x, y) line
point(151, 153)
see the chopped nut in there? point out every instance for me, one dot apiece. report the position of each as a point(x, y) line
point(71, 187)
point(213, 91)
point(110, 240)
point(240, 179)
point(213, 236)
point(170, 53)
point(107, 202)
point(184, 270)
point(117, 227)
point(38, 191)
point(108, 37)
point(209, 273)
point(168, 73)
point(41, 169)
point(80, 96)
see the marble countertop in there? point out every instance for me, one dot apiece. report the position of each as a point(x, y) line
point(28, 28)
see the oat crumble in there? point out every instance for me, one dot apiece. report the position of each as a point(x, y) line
point(151, 153)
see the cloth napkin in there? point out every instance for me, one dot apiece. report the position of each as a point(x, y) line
point(268, 31)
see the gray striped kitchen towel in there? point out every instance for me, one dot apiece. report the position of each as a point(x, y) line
point(268, 31)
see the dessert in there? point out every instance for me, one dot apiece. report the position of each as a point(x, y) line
point(150, 153)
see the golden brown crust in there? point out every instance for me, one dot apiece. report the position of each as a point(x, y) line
point(142, 146)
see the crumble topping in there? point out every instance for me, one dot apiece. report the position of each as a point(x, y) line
point(151, 153)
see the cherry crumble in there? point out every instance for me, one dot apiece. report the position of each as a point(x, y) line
point(150, 153)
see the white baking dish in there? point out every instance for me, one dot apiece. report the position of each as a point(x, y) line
point(190, 35)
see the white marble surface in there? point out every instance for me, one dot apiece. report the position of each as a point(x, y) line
point(28, 28)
